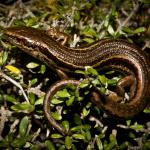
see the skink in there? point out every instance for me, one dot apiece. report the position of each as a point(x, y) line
point(117, 54)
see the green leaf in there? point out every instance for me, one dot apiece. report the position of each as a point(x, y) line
point(56, 101)
point(84, 83)
point(56, 115)
point(112, 82)
point(77, 119)
point(112, 144)
point(62, 147)
point(23, 107)
point(102, 79)
point(91, 71)
point(110, 72)
point(136, 31)
point(56, 136)
point(96, 82)
point(140, 29)
point(78, 136)
point(102, 90)
point(9, 98)
point(70, 101)
point(137, 126)
point(132, 135)
point(89, 32)
point(68, 142)
point(17, 23)
point(88, 40)
point(23, 126)
point(99, 143)
point(18, 142)
point(10, 136)
point(33, 81)
point(32, 98)
point(127, 30)
point(79, 72)
point(128, 122)
point(77, 16)
point(88, 135)
point(111, 30)
point(112, 138)
point(106, 21)
point(63, 93)
point(49, 145)
point(32, 65)
point(65, 124)
point(30, 21)
point(88, 105)
point(42, 69)
point(81, 127)
point(102, 135)
point(85, 112)
point(39, 101)
point(3, 57)
point(147, 110)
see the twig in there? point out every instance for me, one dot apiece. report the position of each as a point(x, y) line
point(4, 114)
point(3, 75)
point(124, 12)
point(36, 134)
point(13, 126)
point(135, 9)
point(3, 8)
point(98, 122)
point(36, 91)
point(146, 45)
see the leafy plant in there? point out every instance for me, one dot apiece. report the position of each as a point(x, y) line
point(22, 122)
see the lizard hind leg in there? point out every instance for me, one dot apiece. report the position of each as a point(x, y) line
point(114, 104)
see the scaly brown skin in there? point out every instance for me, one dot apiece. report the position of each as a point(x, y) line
point(49, 95)
point(115, 54)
